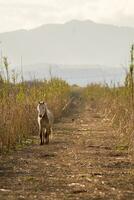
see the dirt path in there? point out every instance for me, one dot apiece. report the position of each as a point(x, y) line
point(80, 163)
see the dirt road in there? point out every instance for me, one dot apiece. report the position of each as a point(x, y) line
point(81, 162)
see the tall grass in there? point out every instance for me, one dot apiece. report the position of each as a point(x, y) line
point(18, 102)
point(115, 104)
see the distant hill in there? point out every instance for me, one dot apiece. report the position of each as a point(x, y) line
point(72, 43)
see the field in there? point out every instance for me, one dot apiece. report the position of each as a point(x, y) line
point(91, 153)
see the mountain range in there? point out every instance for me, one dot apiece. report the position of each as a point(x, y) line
point(73, 43)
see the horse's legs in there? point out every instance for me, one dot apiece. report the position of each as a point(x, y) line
point(48, 131)
point(41, 136)
point(51, 133)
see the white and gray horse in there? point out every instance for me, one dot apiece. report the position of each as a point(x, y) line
point(45, 121)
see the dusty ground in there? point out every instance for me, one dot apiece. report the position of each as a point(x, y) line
point(81, 162)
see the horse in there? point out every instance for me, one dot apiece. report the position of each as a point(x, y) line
point(45, 122)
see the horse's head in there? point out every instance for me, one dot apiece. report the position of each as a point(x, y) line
point(41, 108)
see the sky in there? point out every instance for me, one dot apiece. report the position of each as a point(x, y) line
point(27, 14)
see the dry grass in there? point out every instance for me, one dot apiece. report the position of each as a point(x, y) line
point(18, 104)
point(117, 106)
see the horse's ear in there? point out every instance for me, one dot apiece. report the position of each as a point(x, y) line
point(39, 102)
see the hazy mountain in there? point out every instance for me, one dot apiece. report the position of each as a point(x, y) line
point(75, 42)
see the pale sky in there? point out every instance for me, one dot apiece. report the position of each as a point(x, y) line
point(27, 14)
